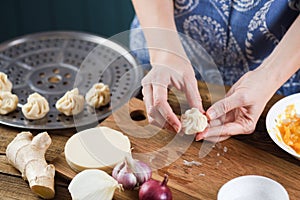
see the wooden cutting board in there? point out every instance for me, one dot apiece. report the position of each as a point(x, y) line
point(201, 180)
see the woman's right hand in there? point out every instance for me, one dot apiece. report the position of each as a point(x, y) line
point(169, 70)
point(157, 21)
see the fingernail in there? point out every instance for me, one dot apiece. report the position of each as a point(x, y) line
point(199, 137)
point(177, 128)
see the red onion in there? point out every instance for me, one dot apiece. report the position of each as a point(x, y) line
point(131, 173)
point(154, 190)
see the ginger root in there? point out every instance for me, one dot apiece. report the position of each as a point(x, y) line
point(27, 154)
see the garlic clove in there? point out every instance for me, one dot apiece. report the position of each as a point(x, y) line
point(117, 169)
point(131, 173)
point(127, 179)
point(93, 184)
point(123, 174)
point(142, 171)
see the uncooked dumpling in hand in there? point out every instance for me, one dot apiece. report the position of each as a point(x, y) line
point(193, 121)
point(8, 102)
point(71, 103)
point(98, 95)
point(36, 107)
point(5, 84)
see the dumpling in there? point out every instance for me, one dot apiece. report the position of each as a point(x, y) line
point(98, 95)
point(5, 84)
point(8, 102)
point(71, 103)
point(36, 107)
point(193, 121)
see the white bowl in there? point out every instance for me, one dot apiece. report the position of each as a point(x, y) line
point(278, 109)
point(252, 187)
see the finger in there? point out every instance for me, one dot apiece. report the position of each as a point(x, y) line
point(228, 117)
point(217, 139)
point(193, 96)
point(148, 98)
point(223, 106)
point(155, 123)
point(164, 125)
point(227, 129)
point(169, 127)
point(169, 117)
point(200, 135)
point(213, 123)
point(216, 122)
point(160, 96)
point(160, 122)
point(154, 117)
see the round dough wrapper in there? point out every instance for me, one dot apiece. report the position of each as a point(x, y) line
point(96, 148)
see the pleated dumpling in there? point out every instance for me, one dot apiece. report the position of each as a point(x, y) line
point(36, 107)
point(193, 121)
point(72, 103)
point(98, 95)
point(5, 84)
point(8, 102)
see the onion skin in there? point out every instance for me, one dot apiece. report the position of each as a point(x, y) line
point(155, 190)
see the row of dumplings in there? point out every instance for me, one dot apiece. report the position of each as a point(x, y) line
point(37, 106)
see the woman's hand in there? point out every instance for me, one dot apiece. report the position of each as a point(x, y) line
point(239, 111)
point(167, 71)
point(170, 66)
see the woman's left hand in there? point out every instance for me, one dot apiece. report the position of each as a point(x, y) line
point(239, 111)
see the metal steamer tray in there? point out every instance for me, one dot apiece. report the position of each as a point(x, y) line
point(52, 63)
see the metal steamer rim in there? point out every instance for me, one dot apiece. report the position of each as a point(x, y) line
point(51, 63)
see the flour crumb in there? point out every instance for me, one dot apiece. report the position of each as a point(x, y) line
point(191, 163)
point(225, 149)
point(219, 163)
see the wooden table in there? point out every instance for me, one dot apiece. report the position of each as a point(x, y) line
point(241, 155)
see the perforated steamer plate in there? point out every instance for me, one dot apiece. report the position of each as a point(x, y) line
point(52, 63)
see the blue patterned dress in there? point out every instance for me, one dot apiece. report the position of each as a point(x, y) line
point(237, 34)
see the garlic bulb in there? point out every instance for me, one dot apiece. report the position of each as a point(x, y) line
point(131, 173)
point(193, 121)
point(93, 184)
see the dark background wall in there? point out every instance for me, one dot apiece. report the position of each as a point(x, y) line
point(100, 17)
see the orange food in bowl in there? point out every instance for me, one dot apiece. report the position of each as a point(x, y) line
point(289, 127)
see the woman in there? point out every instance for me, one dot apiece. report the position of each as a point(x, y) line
point(254, 43)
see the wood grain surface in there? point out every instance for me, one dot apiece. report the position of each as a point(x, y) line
point(243, 155)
